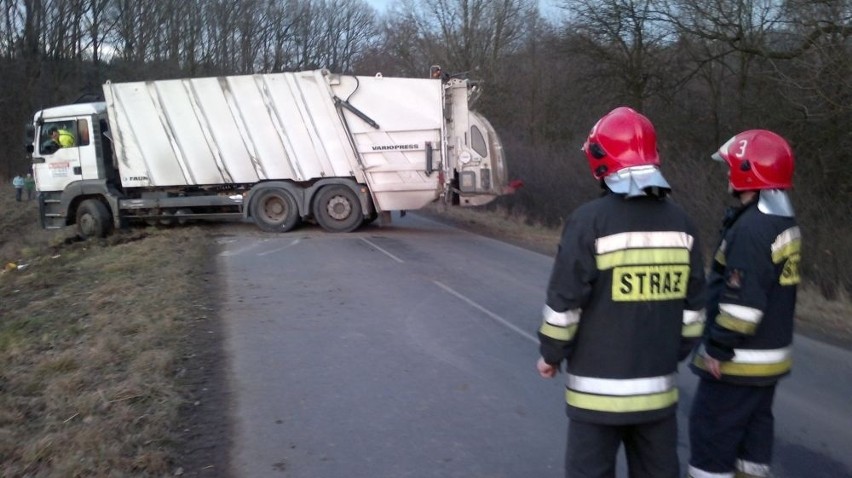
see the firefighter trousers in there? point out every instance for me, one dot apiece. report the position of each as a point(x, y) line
point(650, 448)
point(731, 430)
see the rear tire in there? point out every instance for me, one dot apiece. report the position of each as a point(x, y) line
point(93, 219)
point(275, 210)
point(337, 209)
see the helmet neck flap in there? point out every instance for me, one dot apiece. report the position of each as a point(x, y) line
point(638, 181)
point(775, 202)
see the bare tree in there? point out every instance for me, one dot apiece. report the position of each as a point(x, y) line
point(628, 43)
point(471, 35)
point(97, 31)
point(347, 27)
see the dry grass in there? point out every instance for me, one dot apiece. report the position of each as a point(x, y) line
point(828, 320)
point(508, 227)
point(91, 340)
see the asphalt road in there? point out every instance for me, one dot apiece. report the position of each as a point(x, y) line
point(409, 351)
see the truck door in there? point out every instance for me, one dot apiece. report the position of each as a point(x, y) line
point(481, 168)
point(56, 159)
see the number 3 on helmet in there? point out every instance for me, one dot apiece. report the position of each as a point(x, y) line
point(758, 159)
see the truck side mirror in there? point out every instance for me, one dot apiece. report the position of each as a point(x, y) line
point(29, 137)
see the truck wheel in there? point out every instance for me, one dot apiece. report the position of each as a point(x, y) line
point(93, 219)
point(337, 209)
point(183, 212)
point(274, 210)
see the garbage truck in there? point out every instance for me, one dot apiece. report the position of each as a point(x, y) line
point(273, 149)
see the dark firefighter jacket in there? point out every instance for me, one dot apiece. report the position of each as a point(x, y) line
point(624, 305)
point(751, 298)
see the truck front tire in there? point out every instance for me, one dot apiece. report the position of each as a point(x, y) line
point(274, 210)
point(337, 209)
point(93, 219)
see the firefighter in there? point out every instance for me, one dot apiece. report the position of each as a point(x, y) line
point(751, 298)
point(624, 306)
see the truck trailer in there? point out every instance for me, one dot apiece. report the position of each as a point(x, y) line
point(275, 149)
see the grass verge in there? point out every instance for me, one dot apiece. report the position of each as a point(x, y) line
point(93, 345)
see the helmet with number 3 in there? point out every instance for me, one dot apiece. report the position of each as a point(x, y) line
point(758, 159)
point(622, 150)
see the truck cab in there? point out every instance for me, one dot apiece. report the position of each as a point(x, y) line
point(69, 158)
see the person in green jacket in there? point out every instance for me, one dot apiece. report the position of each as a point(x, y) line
point(29, 185)
point(63, 137)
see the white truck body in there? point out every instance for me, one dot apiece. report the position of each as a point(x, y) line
point(209, 147)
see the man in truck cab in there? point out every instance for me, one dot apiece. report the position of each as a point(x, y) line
point(61, 137)
point(624, 305)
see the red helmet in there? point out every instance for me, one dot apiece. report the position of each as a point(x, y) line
point(621, 139)
point(758, 159)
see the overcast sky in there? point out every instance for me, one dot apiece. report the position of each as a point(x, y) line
point(379, 5)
